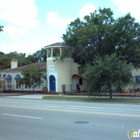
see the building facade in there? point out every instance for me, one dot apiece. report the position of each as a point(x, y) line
point(62, 75)
point(10, 78)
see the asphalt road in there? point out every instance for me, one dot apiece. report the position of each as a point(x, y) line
point(24, 119)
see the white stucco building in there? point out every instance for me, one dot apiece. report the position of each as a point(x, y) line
point(62, 75)
point(10, 78)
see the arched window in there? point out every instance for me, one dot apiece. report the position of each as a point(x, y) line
point(80, 81)
point(17, 78)
point(138, 79)
point(56, 52)
point(9, 81)
point(49, 53)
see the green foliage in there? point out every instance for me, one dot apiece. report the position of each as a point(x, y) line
point(4, 62)
point(107, 72)
point(1, 28)
point(32, 76)
point(82, 69)
point(105, 48)
point(1, 53)
point(38, 56)
point(21, 57)
point(65, 54)
point(5, 59)
point(101, 34)
point(1, 86)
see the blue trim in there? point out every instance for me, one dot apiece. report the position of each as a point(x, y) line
point(138, 79)
point(9, 77)
point(52, 83)
point(17, 77)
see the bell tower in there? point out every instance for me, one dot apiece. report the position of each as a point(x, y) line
point(59, 72)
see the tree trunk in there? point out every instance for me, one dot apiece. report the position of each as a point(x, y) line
point(110, 92)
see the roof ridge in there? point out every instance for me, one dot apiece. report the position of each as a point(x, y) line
point(39, 65)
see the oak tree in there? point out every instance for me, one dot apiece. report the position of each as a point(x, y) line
point(101, 34)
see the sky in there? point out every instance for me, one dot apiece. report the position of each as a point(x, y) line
point(29, 25)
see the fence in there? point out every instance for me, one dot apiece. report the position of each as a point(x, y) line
point(21, 89)
point(74, 89)
point(131, 90)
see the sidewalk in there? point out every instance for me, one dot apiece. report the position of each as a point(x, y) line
point(40, 96)
point(34, 96)
point(23, 96)
point(31, 96)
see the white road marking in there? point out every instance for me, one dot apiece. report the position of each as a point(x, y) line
point(14, 115)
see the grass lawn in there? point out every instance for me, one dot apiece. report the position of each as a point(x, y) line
point(96, 99)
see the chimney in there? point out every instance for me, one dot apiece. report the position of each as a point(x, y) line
point(13, 63)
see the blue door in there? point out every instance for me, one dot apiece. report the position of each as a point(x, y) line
point(52, 83)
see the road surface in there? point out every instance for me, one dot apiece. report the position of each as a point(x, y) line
point(25, 119)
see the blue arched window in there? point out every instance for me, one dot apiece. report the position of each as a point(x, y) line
point(138, 79)
point(9, 77)
point(9, 81)
point(17, 78)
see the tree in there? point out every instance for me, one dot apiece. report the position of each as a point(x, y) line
point(5, 59)
point(109, 72)
point(1, 85)
point(32, 76)
point(1, 28)
point(2, 53)
point(38, 56)
point(101, 34)
point(21, 57)
point(4, 62)
point(31, 58)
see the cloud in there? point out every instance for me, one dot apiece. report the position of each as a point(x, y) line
point(20, 14)
point(56, 26)
point(61, 21)
point(128, 6)
point(86, 10)
point(27, 47)
point(15, 32)
point(56, 19)
point(3, 45)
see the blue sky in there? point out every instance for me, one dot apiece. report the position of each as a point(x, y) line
point(29, 25)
